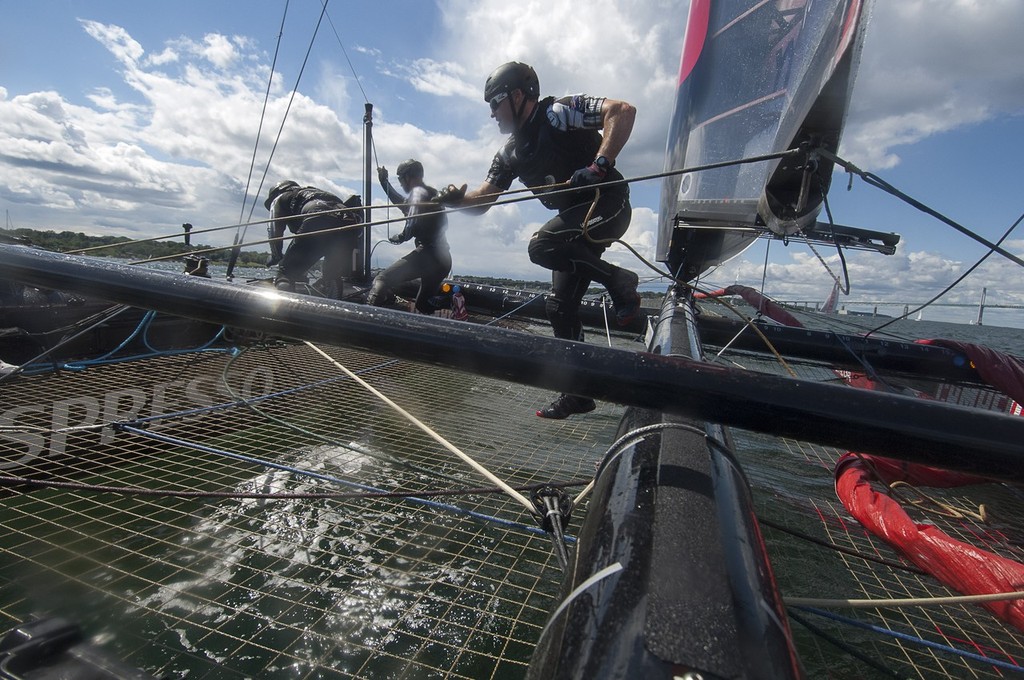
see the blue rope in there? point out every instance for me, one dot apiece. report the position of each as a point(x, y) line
point(335, 480)
point(109, 357)
point(149, 323)
point(914, 639)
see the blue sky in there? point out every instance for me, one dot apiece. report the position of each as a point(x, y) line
point(131, 118)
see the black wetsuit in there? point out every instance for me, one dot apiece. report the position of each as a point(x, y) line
point(430, 262)
point(298, 207)
point(561, 137)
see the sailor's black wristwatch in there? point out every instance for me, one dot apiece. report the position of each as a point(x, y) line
point(603, 163)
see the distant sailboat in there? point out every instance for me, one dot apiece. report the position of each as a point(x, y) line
point(832, 303)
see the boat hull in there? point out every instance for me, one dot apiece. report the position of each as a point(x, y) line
point(687, 585)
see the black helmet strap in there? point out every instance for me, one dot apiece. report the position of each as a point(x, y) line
point(517, 111)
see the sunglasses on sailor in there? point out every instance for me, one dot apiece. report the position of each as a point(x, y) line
point(497, 100)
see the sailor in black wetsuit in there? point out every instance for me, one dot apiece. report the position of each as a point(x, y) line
point(305, 210)
point(431, 261)
point(573, 140)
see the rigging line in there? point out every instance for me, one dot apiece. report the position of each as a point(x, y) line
point(955, 283)
point(263, 112)
point(345, 52)
point(207, 230)
point(727, 345)
point(291, 100)
point(838, 548)
point(607, 328)
point(630, 438)
point(831, 228)
point(213, 249)
point(847, 648)
point(865, 364)
point(510, 313)
point(962, 653)
point(764, 273)
point(878, 182)
point(548, 189)
point(185, 443)
point(718, 300)
point(677, 281)
point(240, 234)
point(251, 404)
point(97, 320)
point(579, 590)
point(523, 500)
point(923, 502)
point(288, 237)
point(281, 239)
point(206, 345)
point(562, 187)
point(828, 269)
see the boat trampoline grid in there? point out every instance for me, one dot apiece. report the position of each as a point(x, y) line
point(793, 487)
point(804, 569)
point(291, 587)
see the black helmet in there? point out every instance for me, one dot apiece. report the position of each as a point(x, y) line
point(512, 76)
point(409, 167)
point(279, 189)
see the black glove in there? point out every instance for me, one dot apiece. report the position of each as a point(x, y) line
point(399, 238)
point(382, 175)
point(591, 174)
point(451, 195)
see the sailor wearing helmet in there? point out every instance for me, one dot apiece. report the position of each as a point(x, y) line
point(306, 210)
point(573, 142)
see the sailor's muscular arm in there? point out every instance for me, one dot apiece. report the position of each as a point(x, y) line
point(618, 125)
point(478, 201)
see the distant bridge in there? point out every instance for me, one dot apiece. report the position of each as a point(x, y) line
point(815, 304)
point(907, 306)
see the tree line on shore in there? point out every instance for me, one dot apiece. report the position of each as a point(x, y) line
point(120, 246)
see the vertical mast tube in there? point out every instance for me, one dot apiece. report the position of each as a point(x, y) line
point(367, 187)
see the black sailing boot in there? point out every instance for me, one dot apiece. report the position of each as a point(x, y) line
point(566, 405)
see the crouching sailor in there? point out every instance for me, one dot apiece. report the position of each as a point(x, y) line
point(309, 210)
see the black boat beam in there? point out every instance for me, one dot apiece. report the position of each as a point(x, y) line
point(885, 424)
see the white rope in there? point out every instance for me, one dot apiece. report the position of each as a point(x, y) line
point(904, 602)
point(438, 438)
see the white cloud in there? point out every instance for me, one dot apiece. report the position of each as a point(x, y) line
point(115, 39)
point(440, 78)
point(219, 50)
point(932, 66)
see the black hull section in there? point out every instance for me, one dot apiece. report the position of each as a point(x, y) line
point(842, 349)
point(687, 586)
point(894, 425)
